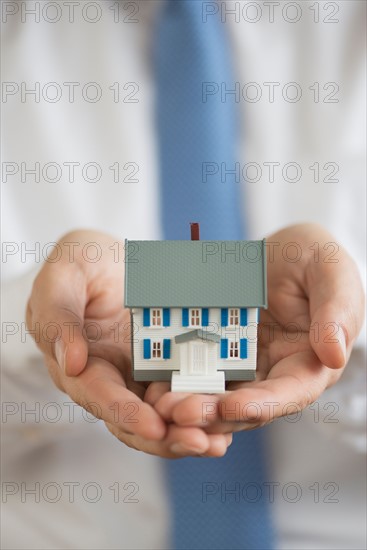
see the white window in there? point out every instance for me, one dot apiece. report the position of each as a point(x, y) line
point(156, 317)
point(233, 349)
point(195, 317)
point(156, 349)
point(234, 317)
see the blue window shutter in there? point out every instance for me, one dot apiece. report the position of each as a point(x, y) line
point(243, 348)
point(185, 317)
point(258, 315)
point(146, 348)
point(166, 317)
point(166, 349)
point(224, 348)
point(224, 317)
point(146, 317)
point(205, 317)
point(243, 317)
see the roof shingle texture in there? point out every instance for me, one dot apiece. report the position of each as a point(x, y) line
point(195, 273)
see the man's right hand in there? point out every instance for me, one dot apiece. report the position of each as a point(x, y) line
point(85, 339)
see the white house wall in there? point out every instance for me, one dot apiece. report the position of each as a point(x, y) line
point(175, 328)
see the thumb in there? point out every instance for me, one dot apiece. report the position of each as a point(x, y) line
point(55, 315)
point(70, 349)
point(329, 335)
point(336, 308)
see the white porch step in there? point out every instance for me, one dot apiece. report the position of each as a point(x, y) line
point(213, 383)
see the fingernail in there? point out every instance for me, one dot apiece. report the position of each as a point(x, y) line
point(343, 343)
point(180, 449)
point(60, 353)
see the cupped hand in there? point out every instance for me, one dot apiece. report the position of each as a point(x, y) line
point(76, 311)
point(315, 312)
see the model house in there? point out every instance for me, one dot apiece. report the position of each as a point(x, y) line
point(194, 310)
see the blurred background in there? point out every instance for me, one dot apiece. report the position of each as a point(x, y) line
point(80, 150)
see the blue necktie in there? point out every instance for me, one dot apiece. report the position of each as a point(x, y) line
point(216, 503)
point(197, 136)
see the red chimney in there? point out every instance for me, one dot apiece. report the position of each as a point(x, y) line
point(195, 231)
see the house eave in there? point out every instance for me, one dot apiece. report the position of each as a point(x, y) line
point(201, 305)
point(197, 334)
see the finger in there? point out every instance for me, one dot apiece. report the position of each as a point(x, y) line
point(166, 403)
point(219, 445)
point(293, 384)
point(198, 410)
point(179, 443)
point(55, 314)
point(336, 305)
point(101, 390)
point(202, 411)
point(155, 391)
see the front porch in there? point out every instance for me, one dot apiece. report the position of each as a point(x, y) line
point(198, 364)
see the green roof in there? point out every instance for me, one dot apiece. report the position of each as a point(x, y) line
point(195, 273)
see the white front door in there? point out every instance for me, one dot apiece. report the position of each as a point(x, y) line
point(198, 358)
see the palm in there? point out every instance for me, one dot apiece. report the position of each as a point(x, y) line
point(289, 338)
point(108, 329)
point(284, 327)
